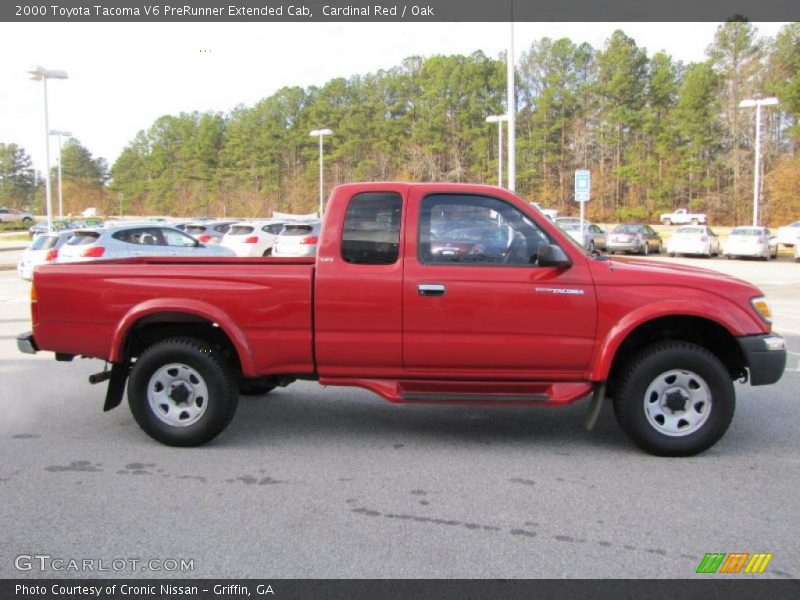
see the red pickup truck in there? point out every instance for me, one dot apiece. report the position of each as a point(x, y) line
point(422, 293)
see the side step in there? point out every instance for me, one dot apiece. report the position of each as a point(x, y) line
point(470, 392)
point(456, 398)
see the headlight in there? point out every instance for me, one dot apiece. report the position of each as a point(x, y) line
point(763, 308)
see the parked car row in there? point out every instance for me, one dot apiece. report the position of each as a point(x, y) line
point(91, 239)
point(79, 241)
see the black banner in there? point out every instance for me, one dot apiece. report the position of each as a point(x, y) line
point(387, 589)
point(396, 10)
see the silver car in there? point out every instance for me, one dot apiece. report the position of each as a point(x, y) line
point(42, 250)
point(639, 238)
point(298, 239)
point(592, 237)
point(138, 239)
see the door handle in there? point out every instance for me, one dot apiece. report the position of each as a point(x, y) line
point(431, 289)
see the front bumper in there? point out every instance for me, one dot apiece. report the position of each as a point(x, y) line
point(26, 343)
point(765, 356)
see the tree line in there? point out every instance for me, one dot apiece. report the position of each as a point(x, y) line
point(656, 133)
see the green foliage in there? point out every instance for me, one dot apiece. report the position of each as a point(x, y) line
point(17, 177)
point(656, 134)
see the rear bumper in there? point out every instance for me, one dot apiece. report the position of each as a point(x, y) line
point(26, 343)
point(765, 356)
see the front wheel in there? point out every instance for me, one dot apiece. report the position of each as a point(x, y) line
point(181, 392)
point(675, 399)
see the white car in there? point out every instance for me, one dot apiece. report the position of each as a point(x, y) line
point(137, 239)
point(696, 239)
point(750, 241)
point(298, 239)
point(797, 252)
point(43, 249)
point(252, 238)
point(788, 235)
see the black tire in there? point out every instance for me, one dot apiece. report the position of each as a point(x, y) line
point(694, 222)
point(591, 246)
point(27, 221)
point(659, 248)
point(667, 222)
point(267, 252)
point(685, 374)
point(645, 249)
point(197, 370)
point(254, 387)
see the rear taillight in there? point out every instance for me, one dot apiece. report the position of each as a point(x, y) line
point(34, 304)
point(253, 239)
point(51, 256)
point(204, 239)
point(310, 239)
point(762, 241)
point(95, 252)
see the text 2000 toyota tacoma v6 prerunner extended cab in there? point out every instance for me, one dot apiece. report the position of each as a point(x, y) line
point(431, 293)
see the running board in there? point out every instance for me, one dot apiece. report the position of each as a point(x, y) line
point(446, 398)
point(470, 392)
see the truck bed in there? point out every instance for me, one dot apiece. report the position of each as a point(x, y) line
point(263, 304)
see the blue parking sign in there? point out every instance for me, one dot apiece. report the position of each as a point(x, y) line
point(583, 185)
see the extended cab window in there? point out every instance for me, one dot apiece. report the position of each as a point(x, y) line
point(372, 229)
point(466, 229)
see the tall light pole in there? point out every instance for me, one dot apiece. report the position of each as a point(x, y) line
point(320, 133)
point(42, 74)
point(512, 109)
point(60, 134)
point(499, 120)
point(758, 103)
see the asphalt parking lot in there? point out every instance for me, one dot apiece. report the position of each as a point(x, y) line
point(328, 483)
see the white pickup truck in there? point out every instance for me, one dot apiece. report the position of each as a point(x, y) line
point(683, 217)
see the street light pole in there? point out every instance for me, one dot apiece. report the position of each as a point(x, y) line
point(499, 120)
point(320, 133)
point(42, 74)
point(758, 103)
point(60, 194)
point(512, 109)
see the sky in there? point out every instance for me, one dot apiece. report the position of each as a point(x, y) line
point(123, 76)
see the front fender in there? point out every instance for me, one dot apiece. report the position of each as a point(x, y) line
point(726, 314)
point(196, 308)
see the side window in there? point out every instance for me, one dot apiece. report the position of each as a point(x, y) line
point(143, 237)
point(466, 229)
point(272, 229)
point(173, 237)
point(371, 233)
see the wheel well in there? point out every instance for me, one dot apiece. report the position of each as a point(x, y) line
point(708, 334)
point(154, 328)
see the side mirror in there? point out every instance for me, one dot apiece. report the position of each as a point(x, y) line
point(550, 255)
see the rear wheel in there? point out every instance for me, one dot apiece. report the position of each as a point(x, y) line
point(676, 399)
point(267, 252)
point(667, 222)
point(646, 249)
point(181, 392)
